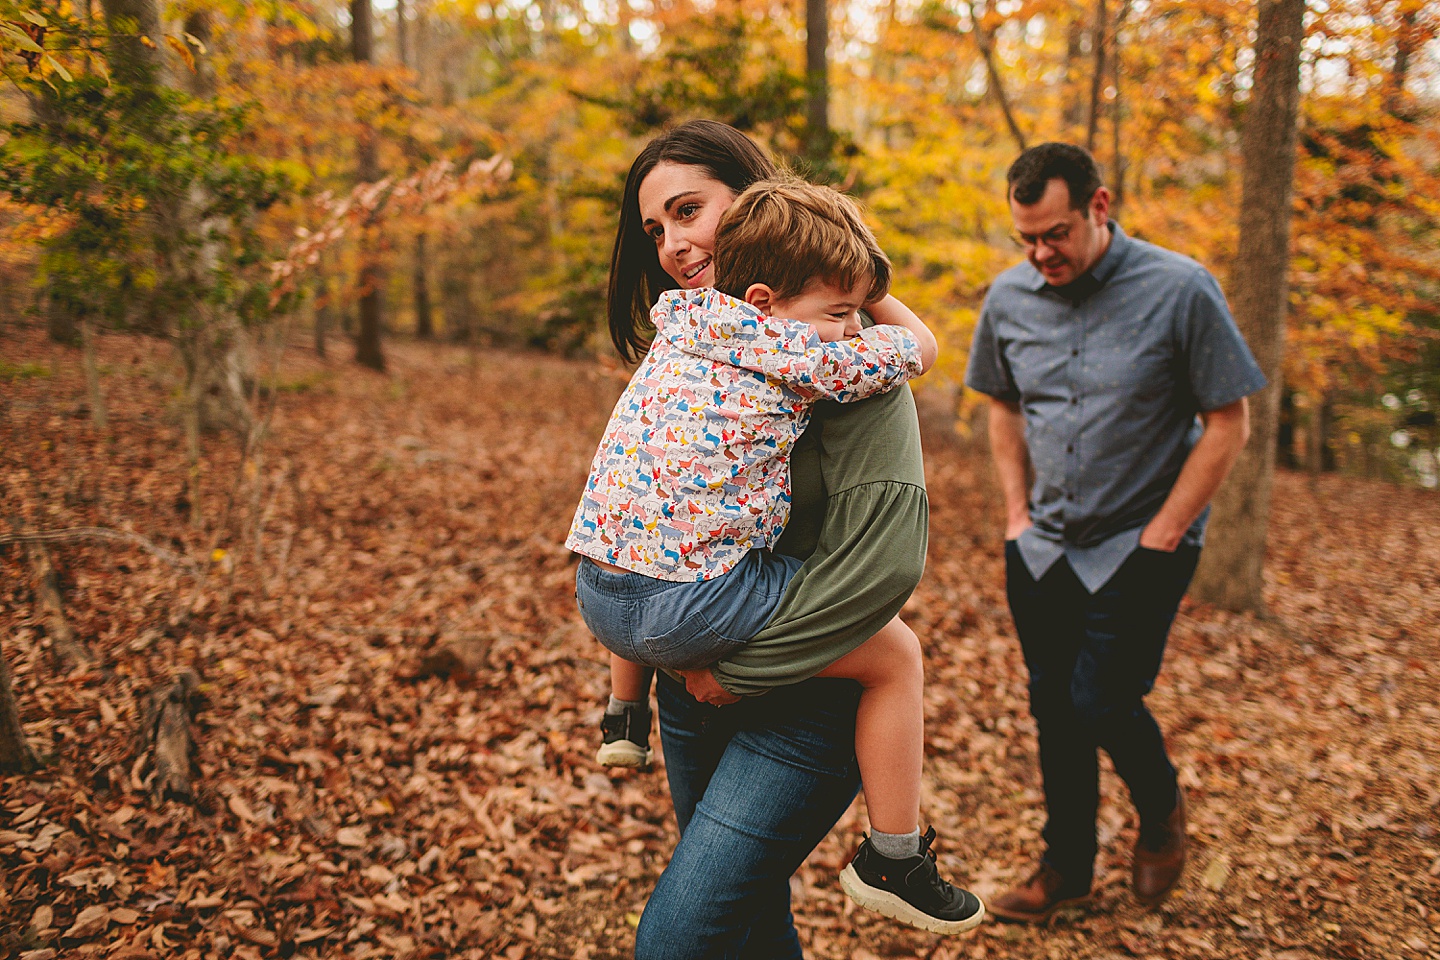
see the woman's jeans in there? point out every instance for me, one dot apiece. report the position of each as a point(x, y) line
point(756, 786)
point(1092, 659)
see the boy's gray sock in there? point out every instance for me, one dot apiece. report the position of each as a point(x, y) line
point(896, 846)
point(620, 706)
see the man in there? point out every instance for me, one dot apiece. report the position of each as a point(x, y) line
point(1117, 375)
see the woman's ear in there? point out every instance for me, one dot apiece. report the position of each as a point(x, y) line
point(759, 296)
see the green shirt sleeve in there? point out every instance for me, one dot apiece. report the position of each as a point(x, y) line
point(860, 517)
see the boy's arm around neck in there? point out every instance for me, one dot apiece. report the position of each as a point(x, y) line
point(892, 311)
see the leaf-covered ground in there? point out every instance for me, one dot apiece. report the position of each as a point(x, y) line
point(398, 710)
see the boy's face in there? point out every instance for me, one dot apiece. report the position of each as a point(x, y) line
point(832, 311)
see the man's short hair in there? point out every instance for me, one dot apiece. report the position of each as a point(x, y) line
point(785, 232)
point(1033, 170)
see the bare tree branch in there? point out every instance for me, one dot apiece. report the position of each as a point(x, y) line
point(72, 534)
point(985, 42)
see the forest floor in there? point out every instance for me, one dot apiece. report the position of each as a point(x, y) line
point(399, 704)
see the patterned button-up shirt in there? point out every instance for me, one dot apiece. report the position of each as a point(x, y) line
point(1110, 373)
point(693, 469)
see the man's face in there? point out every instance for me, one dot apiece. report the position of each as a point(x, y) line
point(1060, 242)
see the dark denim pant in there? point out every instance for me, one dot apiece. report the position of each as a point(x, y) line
point(1092, 659)
point(756, 785)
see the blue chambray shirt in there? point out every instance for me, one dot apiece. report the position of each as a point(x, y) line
point(1110, 373)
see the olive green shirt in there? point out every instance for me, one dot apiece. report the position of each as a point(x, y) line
point(860, 518)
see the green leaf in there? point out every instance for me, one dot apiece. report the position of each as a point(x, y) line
point(35, 18)
point(25, 42)
point(58, 68)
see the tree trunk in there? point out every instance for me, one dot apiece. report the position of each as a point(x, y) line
point(1285, 457)
point(98, 414)
point(817, 80)
point(402, 34)
point(1319, 456)
point(60, 321)
point(1117, 158)
point(1405, 44)
point(623, 18)
point(1230, 573)
point(188, 238)
point(372, 278)
point(1097, 76)
point(202, 80)
point(1072, 105)
point(136, 42)
point(424, 321)
point(323, 310)
point(15, 753)
point(362, 34)
point(367, 340)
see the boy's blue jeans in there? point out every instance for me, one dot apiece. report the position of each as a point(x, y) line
point(756, 785)
point(682, 625)
point(1092, 659)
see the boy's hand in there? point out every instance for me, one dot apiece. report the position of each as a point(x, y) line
point(890, 310)
point(703, 686)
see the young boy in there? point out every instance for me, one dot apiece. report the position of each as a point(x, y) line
point(690, 488)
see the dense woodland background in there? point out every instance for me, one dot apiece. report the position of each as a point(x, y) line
point(302, 363)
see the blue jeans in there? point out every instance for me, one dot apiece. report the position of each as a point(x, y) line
point(682, 625)
point(756, 786)
point(1092, 659)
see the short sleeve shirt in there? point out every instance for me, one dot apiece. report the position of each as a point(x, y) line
point(1110, 373)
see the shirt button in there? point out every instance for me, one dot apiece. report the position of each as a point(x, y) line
point(1074, 400)
point(1070, 496)
point(1069, 448)
point(1074, 353)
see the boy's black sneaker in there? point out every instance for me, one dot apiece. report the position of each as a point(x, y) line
point(627, 738)
point(911, 890)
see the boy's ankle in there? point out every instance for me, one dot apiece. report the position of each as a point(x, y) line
point(896, 846)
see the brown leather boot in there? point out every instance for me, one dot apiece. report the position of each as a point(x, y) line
point(1035, 900)
point(1160, 858)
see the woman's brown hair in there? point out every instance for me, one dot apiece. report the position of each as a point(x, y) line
point(636, 280)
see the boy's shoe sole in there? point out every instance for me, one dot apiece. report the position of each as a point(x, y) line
point(888, 904)
point(623, 753)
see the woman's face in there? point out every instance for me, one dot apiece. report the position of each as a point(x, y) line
point(680, 207)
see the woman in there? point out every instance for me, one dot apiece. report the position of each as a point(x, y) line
point(758, 784)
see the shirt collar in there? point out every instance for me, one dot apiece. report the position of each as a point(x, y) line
point(1097, 276)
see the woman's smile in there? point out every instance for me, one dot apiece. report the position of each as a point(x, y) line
point(695, 273)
